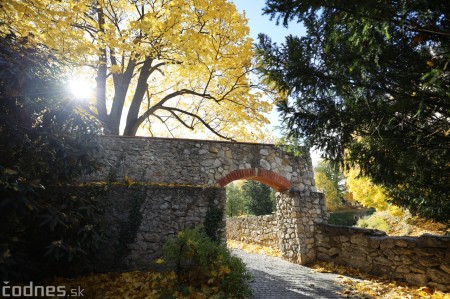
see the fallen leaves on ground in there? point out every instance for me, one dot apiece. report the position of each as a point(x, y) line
point(254, 248)
point(135, 284)
point(362, 285)
point(404, 224)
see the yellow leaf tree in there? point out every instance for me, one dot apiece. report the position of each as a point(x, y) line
point(159, 63)
point(330, 181)
point(365, 191)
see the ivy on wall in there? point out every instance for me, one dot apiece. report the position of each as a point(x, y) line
point(129, 229)
point(113, 171)
point(214, 215)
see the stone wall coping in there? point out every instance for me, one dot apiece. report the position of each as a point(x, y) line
point(152, 186)
point(338, 229)
point(186, 139)
point(351, 230)
point(253, 216)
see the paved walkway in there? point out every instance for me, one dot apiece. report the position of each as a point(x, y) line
point(277, 278)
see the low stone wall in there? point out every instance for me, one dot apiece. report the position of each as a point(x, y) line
point(422, 261)
point(261, 230)
point(291, 229)
point(138, 219)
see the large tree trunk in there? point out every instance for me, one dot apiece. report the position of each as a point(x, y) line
point(111, 125)
point(121, 84)
point(133, 122)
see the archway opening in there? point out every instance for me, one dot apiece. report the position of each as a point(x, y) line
point(249, 198)
point(251, 217)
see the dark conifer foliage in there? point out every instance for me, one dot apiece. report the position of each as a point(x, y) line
point(369, 85)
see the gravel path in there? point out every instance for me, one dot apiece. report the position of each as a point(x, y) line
point(277, 278)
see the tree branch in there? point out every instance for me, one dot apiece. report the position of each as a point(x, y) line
point(172, 109)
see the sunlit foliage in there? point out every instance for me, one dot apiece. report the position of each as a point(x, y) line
point(365, 191)
point(357, 284)
point(330, 181)
point(168, 65)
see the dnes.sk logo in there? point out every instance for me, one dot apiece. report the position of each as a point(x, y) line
point(32, 290)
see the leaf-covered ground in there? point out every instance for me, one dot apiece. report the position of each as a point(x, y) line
point(363, 285)
point(157, 285)
point(138, 285)
point(404, 224)
point(355, 283)
point(254, 248)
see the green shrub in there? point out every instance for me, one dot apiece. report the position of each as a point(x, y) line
point(212, 225)
point(198, 262)
point(373, 222)
point(342, 218)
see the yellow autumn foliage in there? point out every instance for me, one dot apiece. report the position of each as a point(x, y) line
point(325, 185)
point(368, 194)
point(253, 248)
point(197, 52)
point(134, 285)
point(357, 284)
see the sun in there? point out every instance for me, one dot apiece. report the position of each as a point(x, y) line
point(81, 88)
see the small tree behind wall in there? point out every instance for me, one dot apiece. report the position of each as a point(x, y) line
point(235, 205)
point(258, 198)
point(330, 181)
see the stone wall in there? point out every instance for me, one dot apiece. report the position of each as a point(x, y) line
point(298, 213)
point(261, 230)
point(138, 219)
point(201, 163)
point(291, 229)
point(421, 261)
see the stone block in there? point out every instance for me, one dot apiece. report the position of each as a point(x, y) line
point(417, 270)
point(403, 269)
point(360, 263)
point(445, 268)
point(359, 240)
point(382, 261)
point(213, 149)
point(404, 242)
point(323, 257)
point(438, 276)
point(439, 287)
point(361, 250)
point(390, 254)
point(386, 243)
point(264, 164)
point(344, 238)
point(403, 250)
point(429, 262)
point(425, 252)
point(417, 279)
point(373, 243)
point(431, 241)
point(333, 251)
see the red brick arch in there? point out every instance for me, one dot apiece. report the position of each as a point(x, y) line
point(267, 177)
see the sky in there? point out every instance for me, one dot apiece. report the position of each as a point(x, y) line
point(260, 23)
